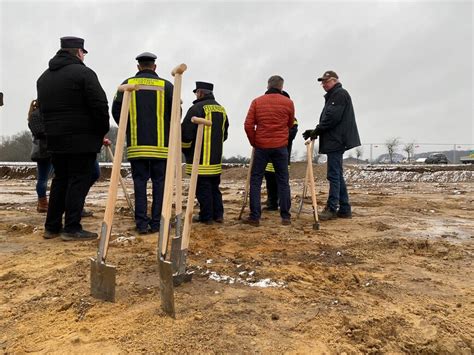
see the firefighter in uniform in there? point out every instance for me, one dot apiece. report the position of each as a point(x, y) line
point(210, 163)
point(147, 139)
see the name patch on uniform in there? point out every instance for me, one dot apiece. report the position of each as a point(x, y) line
point(147, 82)
point(213, 108)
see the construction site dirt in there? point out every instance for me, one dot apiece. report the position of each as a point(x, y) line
point(397, 277)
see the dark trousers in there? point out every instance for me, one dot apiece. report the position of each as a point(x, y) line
point(272, 190)
point(71, 182)
point(338, 196)
point(279, 158)
point(209, 197)
point(142, 171)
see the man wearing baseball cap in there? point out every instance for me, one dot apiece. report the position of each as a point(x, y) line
point(337, 132)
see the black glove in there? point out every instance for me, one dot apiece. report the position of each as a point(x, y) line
point(307, 134)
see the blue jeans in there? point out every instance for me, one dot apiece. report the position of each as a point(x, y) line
point(279, 158)
point(142, 170)
point(44, 170)
point(338, 196)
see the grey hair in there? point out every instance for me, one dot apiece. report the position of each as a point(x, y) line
point(276, 82)
point(206, 92)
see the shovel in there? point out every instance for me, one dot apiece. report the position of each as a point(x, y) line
point(103, 274)
point(310, 180)
point(181, 275)
point(178, 203)
point(247, 185)
point(164, 266)
point(122, 183)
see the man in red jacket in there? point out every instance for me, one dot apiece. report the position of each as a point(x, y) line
point(267, 125)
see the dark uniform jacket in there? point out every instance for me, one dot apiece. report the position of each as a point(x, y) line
point(149, 116)
point(337, 128)
point(73, 105)
point(214, 136)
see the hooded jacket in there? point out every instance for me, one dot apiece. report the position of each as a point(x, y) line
point(269, 119)
point(337, 128)
point(74, 106)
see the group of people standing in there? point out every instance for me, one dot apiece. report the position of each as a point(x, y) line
point(74, 111)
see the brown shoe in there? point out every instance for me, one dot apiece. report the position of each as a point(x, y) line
point(286, 221)
point(42, 206)
point(251, 222)
point(51, 235)
point(327, 214)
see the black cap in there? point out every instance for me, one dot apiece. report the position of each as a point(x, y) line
point(203, 85)
point(146, 57)
point(328, 75)
point(72, 42)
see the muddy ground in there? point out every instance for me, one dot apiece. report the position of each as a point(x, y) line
point(398, 277)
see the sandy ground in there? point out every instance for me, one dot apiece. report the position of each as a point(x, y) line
point(398, 277)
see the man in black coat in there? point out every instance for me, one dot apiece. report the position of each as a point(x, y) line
point(75, 111)
point(337, 131)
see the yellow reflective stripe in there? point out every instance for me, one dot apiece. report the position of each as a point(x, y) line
point(186, 144)
point(224, 118)
point(133, 119)
point(161, 118)
point(206, 156)
point(271, 169)
point(147, 151)
point(147, 81)
point(206, 169)
point(213, 108)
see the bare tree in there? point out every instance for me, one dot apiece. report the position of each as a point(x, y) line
point(359, 152)
point(392, 145)
point(409, 148)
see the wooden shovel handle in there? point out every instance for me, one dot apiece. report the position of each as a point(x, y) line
point(114, 177)
point(127, 87)
point(180, 69)
point(200, 120)
point(137, 87)
point(192, 185)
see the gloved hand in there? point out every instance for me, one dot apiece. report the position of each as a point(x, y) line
point(307, 134)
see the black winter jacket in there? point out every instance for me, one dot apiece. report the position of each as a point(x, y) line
point(73, 105)
point(337, 128)
point(214, 136)
point(148, 127)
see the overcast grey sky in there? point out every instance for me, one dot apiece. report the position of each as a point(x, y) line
point(406, 64)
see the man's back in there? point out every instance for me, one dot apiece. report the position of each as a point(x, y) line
point(149, 116)
point(268, 121)
point(73, 105)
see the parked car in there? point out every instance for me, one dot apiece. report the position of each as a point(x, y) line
point(437, 158)
point(468, 160)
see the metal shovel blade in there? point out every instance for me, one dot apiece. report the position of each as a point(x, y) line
point(182, 275)
point(166, 287)
point(102, 280)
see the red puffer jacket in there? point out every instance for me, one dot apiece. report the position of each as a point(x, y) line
point(269, 119)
